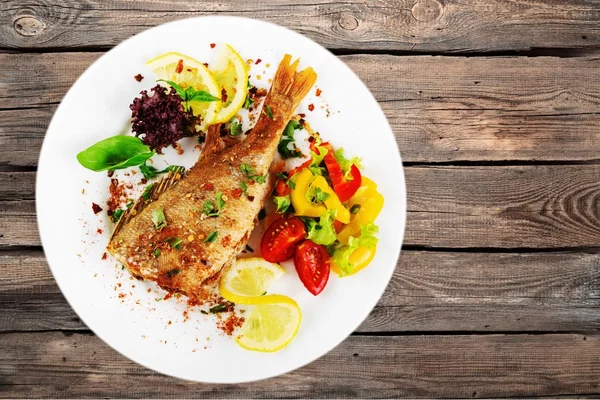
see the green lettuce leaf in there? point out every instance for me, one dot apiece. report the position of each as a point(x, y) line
point(322, 232)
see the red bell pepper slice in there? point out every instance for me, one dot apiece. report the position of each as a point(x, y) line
point(344, 188)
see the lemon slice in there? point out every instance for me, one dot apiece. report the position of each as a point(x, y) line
point(231, 73)
point(186, 71)
point(248, 279)
point(271, 325)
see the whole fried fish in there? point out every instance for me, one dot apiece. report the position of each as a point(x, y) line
point(186, 250)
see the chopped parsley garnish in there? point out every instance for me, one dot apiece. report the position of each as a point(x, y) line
point(283, 203)
point(354, 209)
point(128, 205)
point(158, 218)
point(248, 172)
point(211, 237)
point(269, 112)
point(117, 215)
point(217, 309)
point(156, 252)
point(288, 138)
point(220, 202)
point(235, 128)
point(146, 192)
point(209, 208)
point(316, 195)
point(150, 172)
point(203, 312)
point(248, 102)
point(174, 242)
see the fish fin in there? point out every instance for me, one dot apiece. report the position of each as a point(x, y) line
point(287, 91)
point(290, 85)
point(213, 144)
point(157, 189)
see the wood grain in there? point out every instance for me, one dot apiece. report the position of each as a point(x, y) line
point(430, 291)
point(441, 109)
point(532, 206)
point(43, 364)
point(391, 25)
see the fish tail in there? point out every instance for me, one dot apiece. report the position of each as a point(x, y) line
point(289, 86)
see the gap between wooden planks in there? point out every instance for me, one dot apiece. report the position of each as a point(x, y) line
point(429, 292)
point(433, 26)
point(531, 206)
point(441, 109)
point(43, 364)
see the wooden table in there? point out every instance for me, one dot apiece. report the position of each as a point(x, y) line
point(495, 105)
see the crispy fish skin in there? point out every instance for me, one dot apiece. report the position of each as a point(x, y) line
point(193, 268)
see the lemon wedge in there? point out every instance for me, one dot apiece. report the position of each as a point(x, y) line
point(186, 71)
point(248, 279)
point(271, 325)
point(231, 74)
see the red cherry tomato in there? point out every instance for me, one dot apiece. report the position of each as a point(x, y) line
point(278, 242)
point(312, 264)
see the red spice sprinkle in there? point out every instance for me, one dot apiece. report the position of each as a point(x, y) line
point(205, 64)
point(311, 107)
point(99, 231)
point(302, 115)
point(318, 93)
point(104, 256)
point(96, 208)
point(170, 322)
point(138, 77)
point(179, 68)
point(121, 295)
point(258, 60)
point(223, 95)
point(212, 45)
point(208, 186)
point(236, 193)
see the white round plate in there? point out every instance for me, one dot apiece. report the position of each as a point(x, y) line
point(127, 314)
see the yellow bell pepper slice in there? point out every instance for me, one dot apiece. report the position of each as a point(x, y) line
point(302, 206)
point(332, 202)
point(360, 258)
point(371, 203)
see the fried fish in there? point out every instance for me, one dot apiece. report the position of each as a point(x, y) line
point(191, 226)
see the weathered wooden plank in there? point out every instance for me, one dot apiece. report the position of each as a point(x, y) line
point(532, 206)
point(393, 25)
point(440, 108)
point(43, 364)
point(17, 185)
point(430, 291)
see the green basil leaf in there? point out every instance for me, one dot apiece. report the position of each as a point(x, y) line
point(117, 152)
point(201, 95)
point(148, 171)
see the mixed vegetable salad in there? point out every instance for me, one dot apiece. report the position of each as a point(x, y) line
point(327, 212)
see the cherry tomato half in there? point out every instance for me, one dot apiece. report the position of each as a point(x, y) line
point(312, 264)
point(278, 242)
